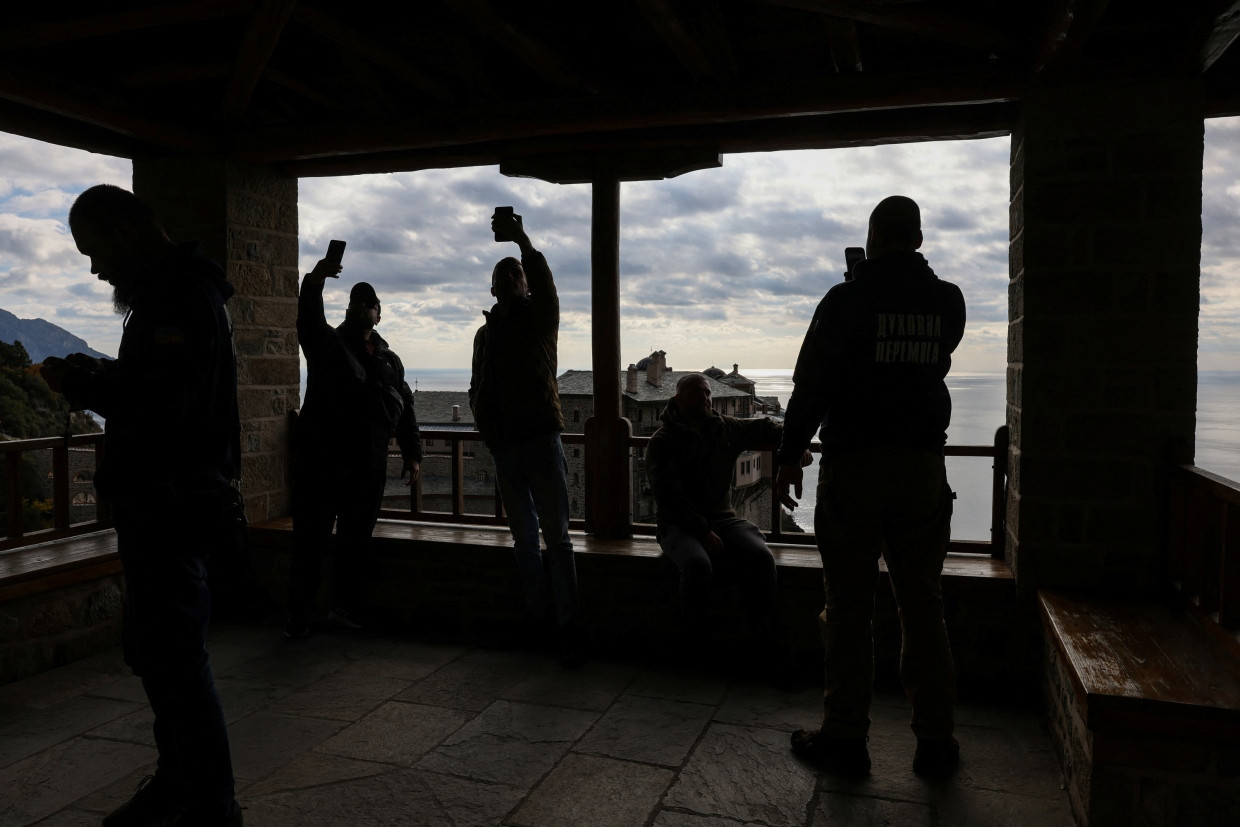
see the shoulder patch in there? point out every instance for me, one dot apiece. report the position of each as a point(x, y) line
point(169, 336)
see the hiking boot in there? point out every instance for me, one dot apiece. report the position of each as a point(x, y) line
point(191, 817)
point(936, 757)
point(152, 802)
point(297, 628)
point(346, 617)
point(838, 756)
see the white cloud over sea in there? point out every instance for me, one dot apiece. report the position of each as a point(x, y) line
point(717, 266)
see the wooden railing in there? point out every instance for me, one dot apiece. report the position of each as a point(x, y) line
point(14, 452)
point(1203, 545)
point(494, 510)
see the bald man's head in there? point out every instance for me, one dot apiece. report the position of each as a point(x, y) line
point(895, 226)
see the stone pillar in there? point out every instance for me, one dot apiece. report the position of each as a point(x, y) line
point(1102, 349)
point(245, 217)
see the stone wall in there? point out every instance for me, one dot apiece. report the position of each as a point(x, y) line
point(246, 218)
point(1105, 254)
point(51, 628)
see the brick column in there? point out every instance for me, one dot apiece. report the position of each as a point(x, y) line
point(245, 217)
point(1102, 348)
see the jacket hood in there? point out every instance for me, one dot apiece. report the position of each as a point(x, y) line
point(672, 416)
point(903, 265)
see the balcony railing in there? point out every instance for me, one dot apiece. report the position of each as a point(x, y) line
point(1203, 545)
point(488, 508)
point(30, 454)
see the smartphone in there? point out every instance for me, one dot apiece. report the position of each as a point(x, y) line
point(852, 255)
point(335, 253)
point(503, 211)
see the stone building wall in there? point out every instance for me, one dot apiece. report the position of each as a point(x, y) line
point(246, 218)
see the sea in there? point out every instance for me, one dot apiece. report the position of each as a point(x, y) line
point(979, 404)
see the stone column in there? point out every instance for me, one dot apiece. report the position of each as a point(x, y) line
point(1102, 349)
point(245, 217)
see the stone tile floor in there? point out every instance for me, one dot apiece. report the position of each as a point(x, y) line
point(348, 729)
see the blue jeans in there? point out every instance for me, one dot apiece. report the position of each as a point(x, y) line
point(533, 482)
point(163, 545)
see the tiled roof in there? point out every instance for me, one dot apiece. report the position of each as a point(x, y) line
point(435, 407)
point(581, 383)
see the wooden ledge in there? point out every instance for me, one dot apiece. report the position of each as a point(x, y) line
point(1141, 665)
point(57, 563)
point(787, 556)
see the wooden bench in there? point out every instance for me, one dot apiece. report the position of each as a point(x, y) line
point(460, 581)
point(1145, 706)
point(59, 601)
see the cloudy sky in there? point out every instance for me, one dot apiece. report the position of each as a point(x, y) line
point(717, 266)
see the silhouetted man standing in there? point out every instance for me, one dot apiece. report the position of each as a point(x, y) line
point(172, 454)
point(356, 398)
point(871, 373)
point(516, 403)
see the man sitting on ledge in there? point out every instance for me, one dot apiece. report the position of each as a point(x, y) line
point(690, 463)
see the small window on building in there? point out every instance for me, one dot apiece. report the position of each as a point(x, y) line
point(576, 478)
point(576, 414)
point(481, 475)
point(84, 476)
point(83, 498)
point(576, 453)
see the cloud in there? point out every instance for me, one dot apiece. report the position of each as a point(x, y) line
point(715, 264)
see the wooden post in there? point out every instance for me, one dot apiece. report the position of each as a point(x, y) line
point(607, 483)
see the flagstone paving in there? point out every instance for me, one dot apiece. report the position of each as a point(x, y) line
point(354, 729)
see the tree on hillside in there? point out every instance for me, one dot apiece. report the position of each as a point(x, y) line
point(30, 409)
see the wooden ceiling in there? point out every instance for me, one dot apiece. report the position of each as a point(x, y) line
point(324, 87)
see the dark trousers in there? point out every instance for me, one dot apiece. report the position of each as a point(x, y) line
point(163, 546)
point(350, 500)
point(746, 558)
point(894, 502)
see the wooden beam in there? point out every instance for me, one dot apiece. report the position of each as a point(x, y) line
point(543, 60)
point(262, 34)
point(773, 134)
point(1065, 33)
point(623, 165)
point(607, 493)
point(310, 93)
point(371, 51)
point(33, 90)
point(708, 54)
point(1223, 32)
point(57, 29)
point(935, 25)
point(169, 74)
point(845, 46)
point(674, 107)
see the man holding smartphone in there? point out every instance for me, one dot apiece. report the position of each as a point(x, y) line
point(356, 399)
point(516, 404)
point(871, 373)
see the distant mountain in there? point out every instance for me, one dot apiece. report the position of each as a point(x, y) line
point(41, 338)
